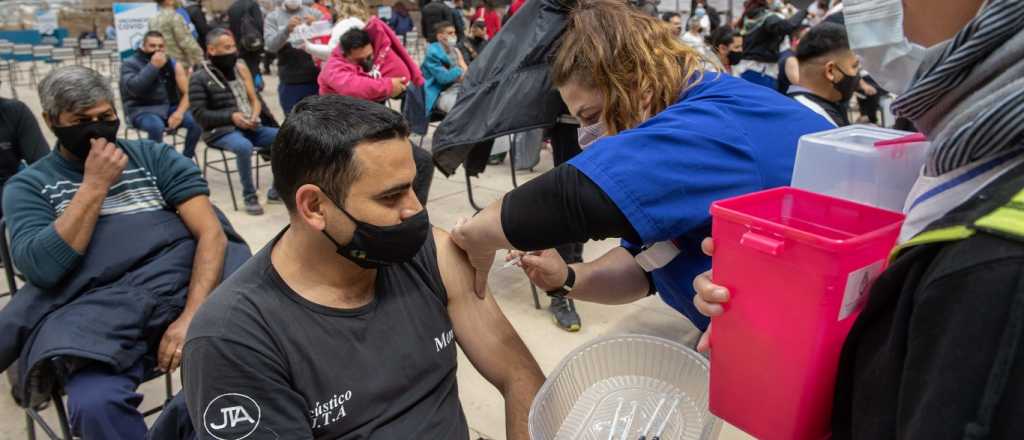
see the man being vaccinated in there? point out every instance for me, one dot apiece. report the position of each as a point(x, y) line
point(345, 325)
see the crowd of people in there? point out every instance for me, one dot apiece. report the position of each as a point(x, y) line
point(344, 325)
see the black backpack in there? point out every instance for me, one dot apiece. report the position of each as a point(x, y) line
point(251, 38)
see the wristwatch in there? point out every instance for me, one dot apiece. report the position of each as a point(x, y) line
point(570, 280)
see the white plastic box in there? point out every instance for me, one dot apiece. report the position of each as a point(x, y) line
point(624, 386)
point(862, 163)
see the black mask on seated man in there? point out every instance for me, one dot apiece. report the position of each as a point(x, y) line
point(225, 63)
point(375, 246)
point(146, 55)
point(78, 138)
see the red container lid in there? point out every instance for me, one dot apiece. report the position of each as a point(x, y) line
point(805, 216)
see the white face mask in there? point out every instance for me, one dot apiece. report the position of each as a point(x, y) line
point(589, 134)
point(452, 41)
point(292, 5)
point(875, 29)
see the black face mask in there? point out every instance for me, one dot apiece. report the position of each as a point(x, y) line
point(375, 246)
point(366, 64)
point(225, 63)
point(735, 57)
point(847, 85)
point(77, 138)
point(146, 55)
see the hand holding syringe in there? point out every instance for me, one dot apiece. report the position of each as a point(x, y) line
point(546, 268)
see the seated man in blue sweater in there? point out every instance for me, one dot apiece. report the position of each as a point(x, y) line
point(155, 92)
point(443, 68)
point(53, 208)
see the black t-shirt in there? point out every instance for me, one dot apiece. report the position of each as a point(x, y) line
point(20, 138)
point(263, 362)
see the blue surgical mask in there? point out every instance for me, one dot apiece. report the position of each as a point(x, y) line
point(875, 29)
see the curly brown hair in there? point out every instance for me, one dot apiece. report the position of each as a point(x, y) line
point(635, 60)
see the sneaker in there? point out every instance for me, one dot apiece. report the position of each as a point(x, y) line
point(564, 312)
point(273, 197)
point(252, 205)
point(496, 159)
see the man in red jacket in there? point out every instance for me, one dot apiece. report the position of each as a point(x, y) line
point(351, 71)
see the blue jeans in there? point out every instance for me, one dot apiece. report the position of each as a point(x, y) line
point(154, 126)
point(291, 94)
point(242, 143)
point(104, 404)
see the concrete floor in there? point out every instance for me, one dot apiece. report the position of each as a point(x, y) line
point(448, 202)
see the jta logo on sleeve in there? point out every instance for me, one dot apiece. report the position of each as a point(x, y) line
point(231, 416)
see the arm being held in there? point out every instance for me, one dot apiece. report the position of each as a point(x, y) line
point(488, 339)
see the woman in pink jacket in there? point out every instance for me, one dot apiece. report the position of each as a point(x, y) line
point(389, 60)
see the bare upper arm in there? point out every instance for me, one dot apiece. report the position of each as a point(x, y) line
point(481, 328)
point(200, 219)
point(181, 78)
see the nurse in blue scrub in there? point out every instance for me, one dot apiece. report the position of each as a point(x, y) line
point(664, 137)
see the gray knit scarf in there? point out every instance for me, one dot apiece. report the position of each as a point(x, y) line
point(969, 96)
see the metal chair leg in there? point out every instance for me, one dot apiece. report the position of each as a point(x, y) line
point(169, 387)
point(515, 184)
point(206, 160)
point(469, 192)
point(30, 427)
point(512, 160)
point(227, 172)
point(38, 419)
point(62, 414)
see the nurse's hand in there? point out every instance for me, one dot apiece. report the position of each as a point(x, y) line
point(481, 261)
point(709, 297)
point(546, 269)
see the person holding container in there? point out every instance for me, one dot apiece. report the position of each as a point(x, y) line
point(664, 135)
point(938, 350)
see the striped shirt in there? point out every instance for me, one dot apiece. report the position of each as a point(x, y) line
point(156, 177)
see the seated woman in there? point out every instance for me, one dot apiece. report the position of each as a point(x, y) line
point(443, 68)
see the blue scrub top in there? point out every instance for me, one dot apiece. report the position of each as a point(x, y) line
point(724, 137)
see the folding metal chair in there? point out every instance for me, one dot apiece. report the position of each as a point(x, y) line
point(32, 414)
point(7, 66)
point(115, 68)
point(176, 137)
point(224, 163)
point(40, 57)
point(85, 48)
point(99, 60)
point(23, 64)
point(61, 55)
